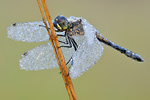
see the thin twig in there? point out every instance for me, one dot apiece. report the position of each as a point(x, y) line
point(44, 20)
point(58, 52)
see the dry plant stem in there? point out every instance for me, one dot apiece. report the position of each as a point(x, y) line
point(44, 20)
point(58, 52)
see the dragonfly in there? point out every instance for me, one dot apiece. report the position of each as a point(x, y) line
point(81, 44)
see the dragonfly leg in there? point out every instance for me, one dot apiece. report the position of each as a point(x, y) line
point(75, 45)
point(42, 26)
point(71, 42)
point(67, 64)
point(63, 35)
point(63, 42)
point(68, 41)
point(69, 61)
point(69, 46)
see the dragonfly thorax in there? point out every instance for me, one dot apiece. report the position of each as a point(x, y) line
point(75, 28)
point(70, 27)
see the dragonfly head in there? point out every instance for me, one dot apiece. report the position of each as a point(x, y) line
point(61, 23)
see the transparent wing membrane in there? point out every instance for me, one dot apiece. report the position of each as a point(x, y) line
point(42, 57)
point(28, 32)
point(88, 52)
point(38, 58)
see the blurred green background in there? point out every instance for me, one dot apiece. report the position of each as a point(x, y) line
point(114, 76)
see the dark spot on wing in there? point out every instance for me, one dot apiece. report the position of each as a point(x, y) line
point(25, 54)
point(14, 24)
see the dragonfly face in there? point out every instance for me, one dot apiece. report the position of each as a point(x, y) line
point(61, 23)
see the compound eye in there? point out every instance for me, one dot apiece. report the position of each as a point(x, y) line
point(62, 22)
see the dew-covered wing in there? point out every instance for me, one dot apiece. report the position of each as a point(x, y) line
point(28, 32)
point(42, 57)
point(88, 52)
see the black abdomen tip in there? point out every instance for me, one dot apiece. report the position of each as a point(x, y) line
point(134, 56)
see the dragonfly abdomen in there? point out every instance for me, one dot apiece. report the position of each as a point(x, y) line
point(128, 53)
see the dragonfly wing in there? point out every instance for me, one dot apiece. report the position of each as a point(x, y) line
point(88, 52)
point(38, 58)
point(42, 57)
point(28, 32)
